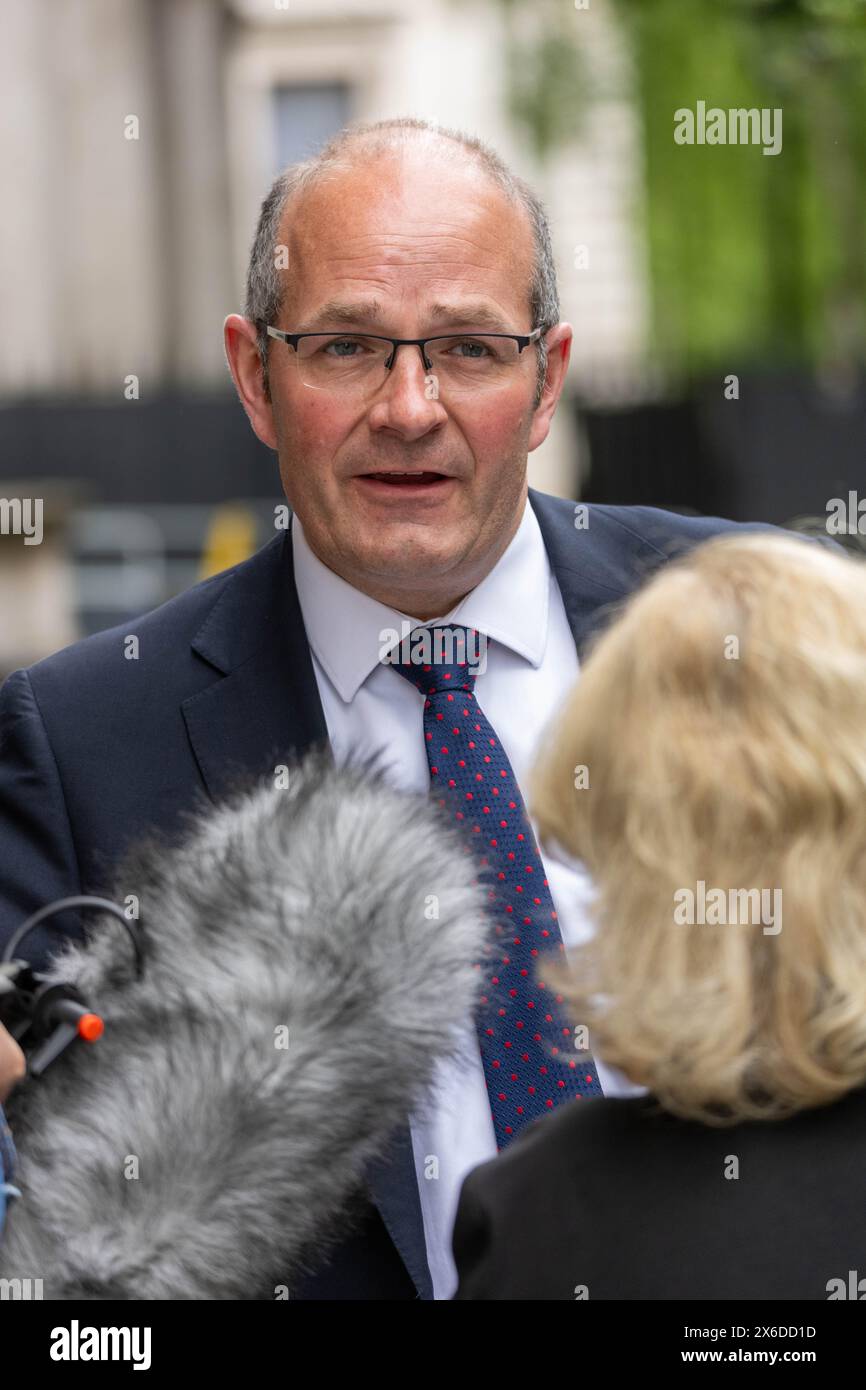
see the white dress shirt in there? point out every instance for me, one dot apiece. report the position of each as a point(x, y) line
point(531, 665)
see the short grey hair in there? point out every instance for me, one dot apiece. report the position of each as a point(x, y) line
point(265, 285)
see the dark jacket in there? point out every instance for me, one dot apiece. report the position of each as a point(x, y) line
point(614, 1199)
point(7, 1167)
point(97, 749)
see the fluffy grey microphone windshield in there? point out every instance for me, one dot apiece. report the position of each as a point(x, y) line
point(311, 953)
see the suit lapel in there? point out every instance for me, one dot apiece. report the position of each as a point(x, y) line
point(263, 711)
point(594, 566)
point(266, 708)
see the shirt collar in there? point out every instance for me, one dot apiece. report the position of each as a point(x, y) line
point(344, 626)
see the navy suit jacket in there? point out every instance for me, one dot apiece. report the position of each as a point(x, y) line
point(96, 750)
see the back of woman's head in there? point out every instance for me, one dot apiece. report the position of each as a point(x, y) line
point(709, 769)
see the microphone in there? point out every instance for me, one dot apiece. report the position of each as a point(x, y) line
point(311, 953)
point(43, 1018)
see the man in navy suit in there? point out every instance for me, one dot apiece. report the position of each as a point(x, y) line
point(402, 353)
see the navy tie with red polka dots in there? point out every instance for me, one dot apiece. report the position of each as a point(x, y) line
point(527, 1047)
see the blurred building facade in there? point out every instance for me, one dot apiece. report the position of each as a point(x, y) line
point(141, 136)
point(138, 138)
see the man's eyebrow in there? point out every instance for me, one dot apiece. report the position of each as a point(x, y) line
point(340, 313)
point(477, 314)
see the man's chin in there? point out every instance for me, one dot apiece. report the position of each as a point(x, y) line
point(404, 564)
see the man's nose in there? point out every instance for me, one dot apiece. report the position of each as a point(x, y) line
point(408, 399)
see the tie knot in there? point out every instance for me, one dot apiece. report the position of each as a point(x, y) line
point(437, 659)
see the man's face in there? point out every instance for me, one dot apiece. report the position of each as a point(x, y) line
point(411, 244)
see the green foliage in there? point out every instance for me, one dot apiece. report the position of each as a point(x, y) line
point(752, 257)
point(756, 257)
point(548, 79)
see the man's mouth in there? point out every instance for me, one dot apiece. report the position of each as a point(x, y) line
point(412, 478)
point(397, 486)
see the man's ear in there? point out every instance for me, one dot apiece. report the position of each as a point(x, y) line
point(558, 340)
point(245, 365)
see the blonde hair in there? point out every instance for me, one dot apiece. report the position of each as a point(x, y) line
point(722, 725)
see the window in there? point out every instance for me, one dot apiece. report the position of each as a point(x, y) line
point(306, 118)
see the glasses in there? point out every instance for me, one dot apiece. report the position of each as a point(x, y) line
point(357, 364)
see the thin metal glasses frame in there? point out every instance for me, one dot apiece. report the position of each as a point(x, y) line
point(523, 340)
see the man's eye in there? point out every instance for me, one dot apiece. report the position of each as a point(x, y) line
point(470, 349)
point(343, 347)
